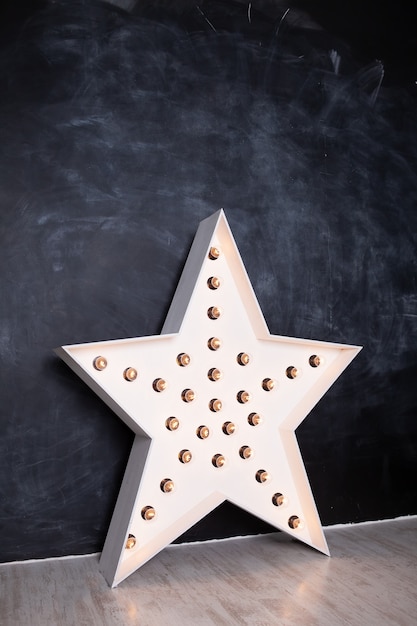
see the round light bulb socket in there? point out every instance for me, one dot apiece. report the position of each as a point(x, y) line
point(100, 363)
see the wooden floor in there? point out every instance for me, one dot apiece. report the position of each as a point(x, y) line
point(370, 579)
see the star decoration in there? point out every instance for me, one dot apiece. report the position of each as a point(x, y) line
point(214, 402)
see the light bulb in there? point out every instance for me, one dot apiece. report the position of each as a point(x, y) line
point(203, 432)
point(214, 374)
point(315, 360)
point(243, 397)
point(268, 384)
point(130, 542)
point(148, 513)
point(185, 456)
point(213, 282)
point(218, 460)
point(214, 343)
point(214, 312)
point(292, 372)
point(278, 499)
point(214, 253)
point(229, 428)
point(100, 363)
point(262, 476)
point(167, 485)
point(254, 419)
point(243, 358)
point(294, 522)
point(215, 405)
point(159, 384)
point(130, 374)
point(188, 395)
point(245, 452)
point(172, 423)
point(183, 359)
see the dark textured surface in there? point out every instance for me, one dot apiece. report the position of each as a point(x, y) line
point(119, 134)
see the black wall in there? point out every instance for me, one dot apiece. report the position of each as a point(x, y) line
point(119, 133)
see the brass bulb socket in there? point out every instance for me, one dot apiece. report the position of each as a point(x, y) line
point(130, 374)
point(159, 385)
point(187, 395)
point(254, 419)
point(148, 513)
point(315, 360)
point(292, 372)
point(214, 312)
point(183, 359)
point(214, 374)
point(268, 384)
point(243, 358)
point(278, 499)
point(214, 253)
point(214, 343)
point(167, 485)
point(243, 397)
point(262, 476)
point(215, 405)
point(130, 542)
point(245, 452)
point(203, 432)
point(185, 456)
point(294, 522)
point(218, 460)
point(229, 428)
point(213, 282)
point(172, 423)
point(100, 363)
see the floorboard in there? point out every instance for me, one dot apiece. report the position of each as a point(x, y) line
point(267, 580)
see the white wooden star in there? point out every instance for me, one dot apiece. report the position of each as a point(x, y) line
point(214, 401)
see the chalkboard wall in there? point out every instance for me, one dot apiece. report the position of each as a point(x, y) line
point(119, 134)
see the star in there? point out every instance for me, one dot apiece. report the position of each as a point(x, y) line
point(214, 402)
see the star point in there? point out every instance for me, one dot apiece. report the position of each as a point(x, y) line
point(214, 402)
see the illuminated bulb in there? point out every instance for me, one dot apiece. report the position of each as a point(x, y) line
point(228, 428)
point(172, 423)
point(294, 522)
point(292, 372)
point(278, 499)
point(243, 397)
point(130, 542)
point(214, 374)
point(159, 384)
point(214, 253)
point(100, 363)
point(188, 395)
point(213, 282)
point(245, 452)
point(218, 460)
point(243, 358)
point(268, 384)
point(203, 432)
point(167, 485)
point(130, 374)
point(262, 476)
point(185, 456)
point(254, 419)
point(315, 360)
point(215, 405)
point(148, 513)
point(183, 359)
point(214, 312)
point(214, 343)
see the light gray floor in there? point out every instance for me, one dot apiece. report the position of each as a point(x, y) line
point(370, 579)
